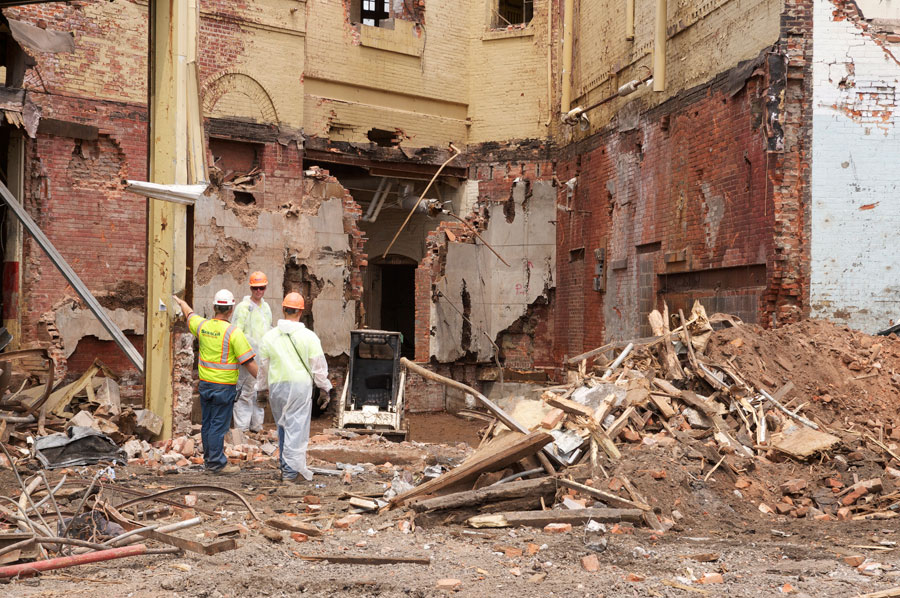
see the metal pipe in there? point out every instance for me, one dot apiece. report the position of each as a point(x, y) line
point(521, 474)
point(115, 541)
point(565, 102)
point(629, 20)
point(659, 47)
point(69, 561)
point(384, 195)
point(618, 361)
point(549, 63)
point(375, 199)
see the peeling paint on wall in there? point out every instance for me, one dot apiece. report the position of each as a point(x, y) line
point(478, 297)
point(714, 205)
point(312, 234)
point(854, 207)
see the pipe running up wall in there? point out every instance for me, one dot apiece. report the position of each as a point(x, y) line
point(659, 47)
point(568, 52)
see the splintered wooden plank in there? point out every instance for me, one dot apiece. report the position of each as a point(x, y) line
point(291, 525)
point(519, 489)
point(542, 518)
point(569, 406)
point(611, 499)
point(471, 469)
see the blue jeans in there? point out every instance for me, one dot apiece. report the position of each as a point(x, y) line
point(286, 471)
point(216, 404)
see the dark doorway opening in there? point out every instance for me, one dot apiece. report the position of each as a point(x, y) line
point(398, 303)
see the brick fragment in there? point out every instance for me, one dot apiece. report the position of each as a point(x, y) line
point(448, 585)
point(590, 563)
point(794, 486)
point(558, 528)
point(346, 522)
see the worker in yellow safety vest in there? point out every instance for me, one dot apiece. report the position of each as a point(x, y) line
point(253, 317)
point(292, 361)
point(222, 349)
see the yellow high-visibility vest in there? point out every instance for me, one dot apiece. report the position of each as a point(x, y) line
point(222, 348)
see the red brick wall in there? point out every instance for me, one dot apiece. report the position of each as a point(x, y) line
point(74, 191)
point(691, 177)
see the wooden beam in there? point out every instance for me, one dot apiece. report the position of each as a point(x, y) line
point(176, 147)
point(488, 494)
point(490, 405)
point(542, 518)
point(470, 470)
point(610, 499)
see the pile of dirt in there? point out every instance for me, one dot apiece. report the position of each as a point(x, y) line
point(844, 377)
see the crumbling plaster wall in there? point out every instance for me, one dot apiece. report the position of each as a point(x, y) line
point(316, 229)
point(856, 93)
point(491, 295)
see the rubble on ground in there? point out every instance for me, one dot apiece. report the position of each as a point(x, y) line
point(652, 436)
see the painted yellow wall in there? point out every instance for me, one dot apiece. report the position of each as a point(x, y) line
point(705, 37)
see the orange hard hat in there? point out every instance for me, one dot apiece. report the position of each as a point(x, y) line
point(293, 300)
point(258, 279)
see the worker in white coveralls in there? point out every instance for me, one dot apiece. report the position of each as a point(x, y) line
point(293, 361)
point(253, 317)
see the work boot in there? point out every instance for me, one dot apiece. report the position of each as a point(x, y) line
point(227, 470)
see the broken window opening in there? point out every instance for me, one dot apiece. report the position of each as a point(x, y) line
point(375, 13)
point(512, 12)
point(235, 162)
point(243, 198)
point(383, 137)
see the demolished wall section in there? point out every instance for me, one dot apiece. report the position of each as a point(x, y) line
point(74, 191)
point(312, 227)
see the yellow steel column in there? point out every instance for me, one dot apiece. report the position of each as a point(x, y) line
point(173, 42)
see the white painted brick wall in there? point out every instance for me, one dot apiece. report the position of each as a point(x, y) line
point(855, 251)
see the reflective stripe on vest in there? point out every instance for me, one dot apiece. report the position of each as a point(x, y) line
point(218, 366)
point(226, 342)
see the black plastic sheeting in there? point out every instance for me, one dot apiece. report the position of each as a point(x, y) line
point(78, 446)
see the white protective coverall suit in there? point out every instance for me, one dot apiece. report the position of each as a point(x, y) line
point(254, 321)
point(283, 352)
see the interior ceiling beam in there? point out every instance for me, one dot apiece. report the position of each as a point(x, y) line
point(395, 169)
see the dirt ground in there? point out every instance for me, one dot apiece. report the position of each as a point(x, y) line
point(843, 380)
point(757, 555)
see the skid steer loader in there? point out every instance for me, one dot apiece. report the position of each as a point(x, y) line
point(372, 399)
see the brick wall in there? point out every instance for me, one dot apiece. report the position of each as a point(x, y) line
point(682, 190)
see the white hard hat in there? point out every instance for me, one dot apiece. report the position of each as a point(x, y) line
point(224, 297)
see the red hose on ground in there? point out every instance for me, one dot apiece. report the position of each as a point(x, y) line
point(62, 562)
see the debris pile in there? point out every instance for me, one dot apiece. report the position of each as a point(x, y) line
point(43, 533)
point(689, 403)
